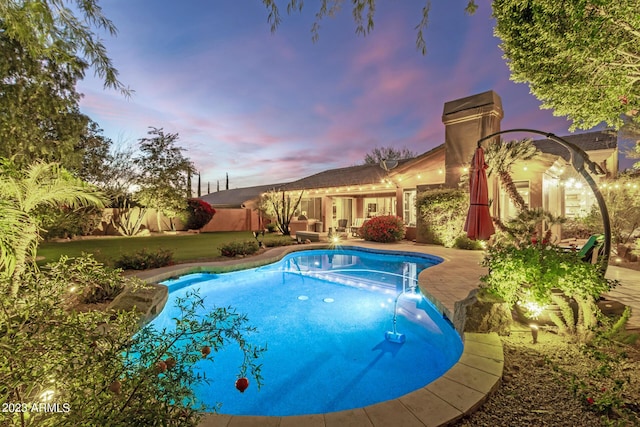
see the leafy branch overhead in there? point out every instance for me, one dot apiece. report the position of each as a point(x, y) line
point(582, 60)
point(363, 12)
point(53, 28)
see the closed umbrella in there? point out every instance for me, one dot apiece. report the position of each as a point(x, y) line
point(479, 225)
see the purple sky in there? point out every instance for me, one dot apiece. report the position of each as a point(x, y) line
point(269, 108)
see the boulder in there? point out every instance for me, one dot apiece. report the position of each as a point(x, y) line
point(481, 312)
point(147, 301)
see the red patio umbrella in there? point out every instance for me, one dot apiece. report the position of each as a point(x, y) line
point(479, 225)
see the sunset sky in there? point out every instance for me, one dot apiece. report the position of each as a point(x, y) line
point(268, 108)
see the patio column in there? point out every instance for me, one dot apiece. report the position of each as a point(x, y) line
point(466, 120)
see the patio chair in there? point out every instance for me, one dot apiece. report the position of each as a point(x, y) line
point(592, 248)
point(342, 226)
point(356, 226)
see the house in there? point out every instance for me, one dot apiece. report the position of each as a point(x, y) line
point(391, 188)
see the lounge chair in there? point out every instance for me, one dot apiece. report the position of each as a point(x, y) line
point(342, 226)
point(590, 251)
point(356, 226)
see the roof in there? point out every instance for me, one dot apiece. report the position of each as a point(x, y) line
point(235, 198)
point(352, 175)
point(590, 141)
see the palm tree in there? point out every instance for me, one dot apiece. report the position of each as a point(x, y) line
point(501, 156)
point(21, 193)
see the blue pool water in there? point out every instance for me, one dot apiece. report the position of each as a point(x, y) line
point(323, 315)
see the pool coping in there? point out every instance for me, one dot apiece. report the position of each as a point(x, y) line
point(459, 392)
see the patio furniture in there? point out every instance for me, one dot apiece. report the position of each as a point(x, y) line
point(312, 236)
point(591, 250)
point(356, 226)
point(342, 226)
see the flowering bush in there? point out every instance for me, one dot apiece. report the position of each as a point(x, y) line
point(383, 229)
point(200, 213)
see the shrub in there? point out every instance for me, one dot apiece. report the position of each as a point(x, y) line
point(443, 213)
point(232, 249)
point(383, 229)
point(463, 242)
point(87, 278)
point(70, 222)
point(199, 213)
point(275, 241)
point(145, 259)
point(97, 369)
point(271, 227)
point(545, 274)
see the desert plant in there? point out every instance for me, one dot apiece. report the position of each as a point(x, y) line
point(443, 212)
point(145, 259)
point(199, 213)
point(128, 219)
point(281, 206)
point(232, 249)
point(383, 229)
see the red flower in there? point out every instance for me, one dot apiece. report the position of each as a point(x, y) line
point(590, 400)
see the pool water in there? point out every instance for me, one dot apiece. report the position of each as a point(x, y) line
point(323, 315)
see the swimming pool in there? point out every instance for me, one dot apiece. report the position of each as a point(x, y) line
point(327, 317)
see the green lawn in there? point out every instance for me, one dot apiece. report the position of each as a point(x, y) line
point(191, 247)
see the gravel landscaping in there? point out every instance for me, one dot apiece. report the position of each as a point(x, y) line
point(537, 385)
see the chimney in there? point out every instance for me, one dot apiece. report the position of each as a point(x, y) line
point(466, 120)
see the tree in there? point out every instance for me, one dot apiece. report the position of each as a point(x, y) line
point(22, 193)
point(163, 174)
point(378, 154)
point(41, 118)
point(501, 156)
point(278, 205)
point(581, 59)
point(62, 28)
point(363, 12)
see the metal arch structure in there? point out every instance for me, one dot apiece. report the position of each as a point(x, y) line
point(580, 161)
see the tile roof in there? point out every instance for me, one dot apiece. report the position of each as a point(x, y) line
point(234, 198)
point(590, 141)
point(352, 175)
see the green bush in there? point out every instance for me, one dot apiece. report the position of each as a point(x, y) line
point(271, 227)
point(87, 278)
point(232, 249)
point(543, 274)
point(443, 213)
point(145, 259)
point(383, 229)
point(463, 242)
point(70, 222)
point(275, 241)
point(98, 368)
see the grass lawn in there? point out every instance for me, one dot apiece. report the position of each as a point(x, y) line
point(185, 247)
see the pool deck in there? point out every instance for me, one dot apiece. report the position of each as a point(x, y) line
point(460, 390)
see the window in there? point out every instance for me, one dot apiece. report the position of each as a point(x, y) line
point(375, 206)
point(311, 208)
point(409, 207)
point(510, 210)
